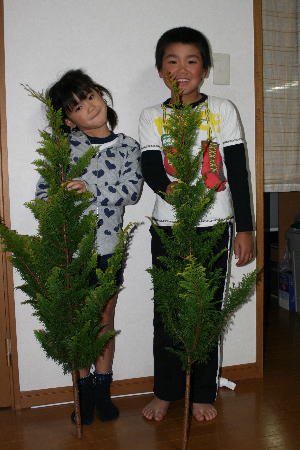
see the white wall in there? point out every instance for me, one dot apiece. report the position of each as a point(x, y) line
point(114, 42)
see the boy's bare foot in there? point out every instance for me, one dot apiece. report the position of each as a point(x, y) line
point(156, 409)
point(204, 411)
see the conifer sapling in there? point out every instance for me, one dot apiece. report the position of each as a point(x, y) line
point(57, 262)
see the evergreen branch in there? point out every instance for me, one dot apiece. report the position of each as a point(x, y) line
point(38, 95)
point(238, 295)
point(76, 170)
point(19, 245)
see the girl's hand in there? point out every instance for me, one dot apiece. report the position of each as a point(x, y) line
point(243, 247)
point(76, 185)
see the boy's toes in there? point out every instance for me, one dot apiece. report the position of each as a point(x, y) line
point(148, 413)
point(159, 415)
point(198, 415)
point(156, 409)
point(204, 411)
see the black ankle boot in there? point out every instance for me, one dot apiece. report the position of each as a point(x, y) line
point(104, 406)
point(86, 390)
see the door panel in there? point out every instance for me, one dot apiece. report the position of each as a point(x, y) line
point(9, 382)
point(5, 342)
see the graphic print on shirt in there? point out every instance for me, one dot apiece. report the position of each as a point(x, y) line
point(167, 146)
point(212, 164)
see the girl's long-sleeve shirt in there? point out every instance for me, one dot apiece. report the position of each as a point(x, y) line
point(113, 177)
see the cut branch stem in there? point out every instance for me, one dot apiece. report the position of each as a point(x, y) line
point(76, 404)
point(186, 419)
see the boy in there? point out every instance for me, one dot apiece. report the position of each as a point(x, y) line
point(183, 54)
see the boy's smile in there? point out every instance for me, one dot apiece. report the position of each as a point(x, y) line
point(184, 63)
point(90, 115)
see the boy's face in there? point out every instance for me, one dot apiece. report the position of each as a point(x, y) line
point(184, 63)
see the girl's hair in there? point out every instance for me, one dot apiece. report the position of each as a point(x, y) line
point(79, 84)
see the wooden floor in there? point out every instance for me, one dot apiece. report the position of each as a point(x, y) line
point(263, 414)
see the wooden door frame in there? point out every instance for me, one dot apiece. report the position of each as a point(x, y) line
point(5, 267)
point(259, 176)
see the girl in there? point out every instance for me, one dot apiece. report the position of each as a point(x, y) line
point(114, 178)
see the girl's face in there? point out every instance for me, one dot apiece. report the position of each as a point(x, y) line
point(89, 115)
point(184, 63)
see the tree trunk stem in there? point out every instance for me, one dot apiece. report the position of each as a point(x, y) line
point(76, 405)
point(186, 409)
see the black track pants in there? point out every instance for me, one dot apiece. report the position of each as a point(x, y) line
point(169, 378)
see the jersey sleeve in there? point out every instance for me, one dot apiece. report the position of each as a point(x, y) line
point(231, 131)
point(152, 162)
point(236, 166)
point(149, 137)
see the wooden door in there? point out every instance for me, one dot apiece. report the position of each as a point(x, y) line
point(5, 342)
point(9, 380)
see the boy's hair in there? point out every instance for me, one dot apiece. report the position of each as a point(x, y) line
point(183, 35)
point(78, 83)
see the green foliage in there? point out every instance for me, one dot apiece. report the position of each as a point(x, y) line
point(186, 280)
point(57, 262)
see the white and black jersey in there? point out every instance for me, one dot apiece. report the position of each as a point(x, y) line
point(220, 115)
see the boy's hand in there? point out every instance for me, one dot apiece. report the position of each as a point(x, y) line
point(76, 185)
point(243, 247)
point(170, 187)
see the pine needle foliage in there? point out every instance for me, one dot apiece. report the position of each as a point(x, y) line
point(57, 262)
point(185, 280)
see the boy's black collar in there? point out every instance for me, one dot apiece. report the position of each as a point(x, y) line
point(198, 102)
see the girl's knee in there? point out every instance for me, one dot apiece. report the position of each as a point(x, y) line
point(108, 313)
